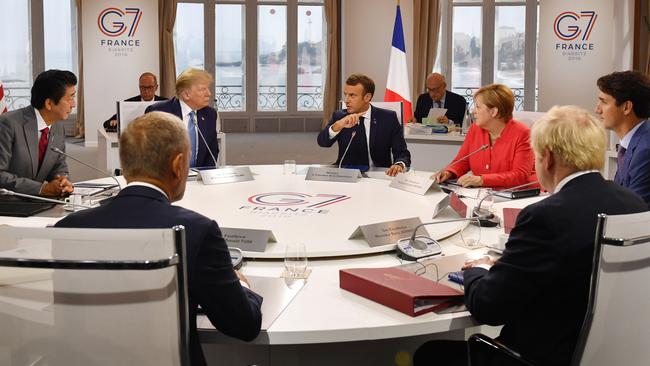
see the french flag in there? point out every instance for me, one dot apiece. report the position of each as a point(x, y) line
point(397, 85)
point(3, 104)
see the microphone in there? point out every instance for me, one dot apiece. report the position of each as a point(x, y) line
point(487, 218)
point(354, 133)
point(6, 192)
point(414, 248)
point(483, 147)
point(59, 151)
point(196, 125)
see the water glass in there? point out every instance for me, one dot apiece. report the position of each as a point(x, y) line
point(295, 259)
point(289, 167)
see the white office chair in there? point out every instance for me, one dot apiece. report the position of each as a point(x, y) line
point(93, 297)
point(396, 107)
point(617, 327)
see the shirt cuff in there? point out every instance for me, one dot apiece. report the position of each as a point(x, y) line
point(332, 133)
point(484, 266)
point(402, 164)
point(244, 284)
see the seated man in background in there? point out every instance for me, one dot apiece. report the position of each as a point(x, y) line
point(192, 105)
point(538, 289)
point(28, 135)
point(148, 86)
point(624, 105)
point(437, 96)
point(377, 131)
point(154, 152)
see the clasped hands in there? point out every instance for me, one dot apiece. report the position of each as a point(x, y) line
point(60, 186)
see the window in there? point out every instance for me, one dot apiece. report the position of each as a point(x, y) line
point(272, 58)
point(490, 44)
point(188, 37)
point(230, 70)
point(311, 50)
point(16, 53)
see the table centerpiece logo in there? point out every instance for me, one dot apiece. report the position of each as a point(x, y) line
point(291, 204)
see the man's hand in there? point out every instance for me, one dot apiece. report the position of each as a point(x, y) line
point(471, 181)
point(113, 123)
point(60, 186)
point(412, 120)
point(394, 170)
point(348, 121)
point(483, 260)
point(443, 119)
point(442, 176)
point(243, 278)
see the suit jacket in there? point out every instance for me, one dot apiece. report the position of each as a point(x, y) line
point(386, 136)
point(212, 281)
point(137, 98)
point(19, 169)
point(207, 121)
point(538, 289)
point(636, 164)
point(454, 103)
point(509, 163)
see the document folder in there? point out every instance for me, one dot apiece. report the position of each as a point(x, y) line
point(399, 289)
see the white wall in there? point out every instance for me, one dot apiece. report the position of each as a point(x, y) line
point(366, 37)
point(111, 73)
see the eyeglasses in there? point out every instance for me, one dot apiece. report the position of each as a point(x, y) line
point(435, 88)
point(145, 87)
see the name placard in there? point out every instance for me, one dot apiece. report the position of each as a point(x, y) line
point(330, 174)
point(226, 175)
point(388, 232)
point(249, 240)
point(413, 183)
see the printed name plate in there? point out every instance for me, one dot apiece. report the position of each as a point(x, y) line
point(388, 232)
point(248, 240)
point(413, 183)
point(226, 175)
point(330, 174)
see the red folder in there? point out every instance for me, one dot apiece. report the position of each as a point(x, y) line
point(399, 289)
point(509, 218)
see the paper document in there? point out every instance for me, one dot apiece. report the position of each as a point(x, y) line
point(434, 113)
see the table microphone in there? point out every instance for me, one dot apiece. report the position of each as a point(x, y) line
point(487, 218)
point(421, 246)
point(196, 125)
point(481, 148)
point(354, 133)
point(59, 151)
point(6, 192)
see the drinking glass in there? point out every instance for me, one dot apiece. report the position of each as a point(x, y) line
point(295, 259)
point(289, 167)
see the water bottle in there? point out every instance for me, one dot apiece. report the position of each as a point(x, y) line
point(467, 120)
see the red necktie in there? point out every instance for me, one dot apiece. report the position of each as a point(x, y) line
point(42, 145)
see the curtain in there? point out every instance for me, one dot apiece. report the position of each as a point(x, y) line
point(332, 90)
point(426, 26)
point(79, 127)
point(166, 19)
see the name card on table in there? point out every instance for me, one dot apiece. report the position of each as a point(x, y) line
point(413, 183)
point(249, 240)
point(226, 175)
point(331, 174)
point(388, 232)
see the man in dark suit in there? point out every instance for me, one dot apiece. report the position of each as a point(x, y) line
point(624, 105)
point(154, 152)
point(148, 85)
point(28, 135)
point(437, 96)
point(376, 131)
point(538, 289)
point(192, 105)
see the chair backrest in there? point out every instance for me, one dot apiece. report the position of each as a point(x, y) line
point(93, 296)
point(616, 328)
point(396, 107)
point(527, 117)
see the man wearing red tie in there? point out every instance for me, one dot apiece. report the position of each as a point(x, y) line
point(28, 135)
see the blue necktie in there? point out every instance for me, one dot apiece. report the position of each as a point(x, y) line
point(191, 127)
point(621, 170)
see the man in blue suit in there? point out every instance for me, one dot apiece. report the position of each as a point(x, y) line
point(624, 105)
point(154, 151)
point(192, 105)
point(366, 135)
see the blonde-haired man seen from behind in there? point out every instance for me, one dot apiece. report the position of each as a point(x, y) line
point(154, 150)
point(538, 289)
point(192, 105)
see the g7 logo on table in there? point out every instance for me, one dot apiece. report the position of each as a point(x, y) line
point(111, 21)
point(284, 199)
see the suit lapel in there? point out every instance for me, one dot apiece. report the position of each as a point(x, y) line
point(634, 142)
point(49, 157)
point(30, 130)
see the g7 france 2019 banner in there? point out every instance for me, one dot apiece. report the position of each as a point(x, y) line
point(579, 41)
point(120, 42)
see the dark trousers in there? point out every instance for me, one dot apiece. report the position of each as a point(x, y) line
point(441, 352)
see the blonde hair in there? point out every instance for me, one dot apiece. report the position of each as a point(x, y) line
point(498, 96)
point(573, 135)
point(150, 143)
point(190, 77)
